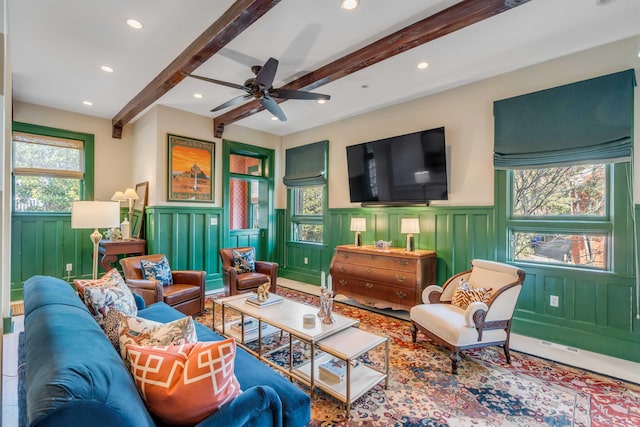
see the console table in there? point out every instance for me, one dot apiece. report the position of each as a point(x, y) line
point(110, 249)
point(382, 278)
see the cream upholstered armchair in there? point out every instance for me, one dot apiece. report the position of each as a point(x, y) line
point(476, 315)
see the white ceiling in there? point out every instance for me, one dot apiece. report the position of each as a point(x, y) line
point(57, 48)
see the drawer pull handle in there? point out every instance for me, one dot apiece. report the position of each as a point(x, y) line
point(369, 285)
point(401, 277)
point(401, 294)
point(369, 269)
point(342, 268)
point(343, 282)
point(369, 303)
point(345, 255)
point(404, 262)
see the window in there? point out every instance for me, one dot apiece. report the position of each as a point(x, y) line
point(307, 210)
point(48, 168)
point(561, 215)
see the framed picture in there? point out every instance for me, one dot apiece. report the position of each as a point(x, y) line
point(190, 169)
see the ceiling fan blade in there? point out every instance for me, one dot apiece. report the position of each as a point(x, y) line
point(273, 107)
point(219, 82)
point(297, 94)
point(267, 73)
point(237, 100)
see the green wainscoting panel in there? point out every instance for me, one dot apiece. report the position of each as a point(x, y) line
point(189, 237)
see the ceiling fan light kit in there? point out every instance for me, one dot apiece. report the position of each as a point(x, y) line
point(261, 88)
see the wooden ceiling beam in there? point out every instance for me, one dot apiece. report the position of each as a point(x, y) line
point(454, 18)
point(234, 21)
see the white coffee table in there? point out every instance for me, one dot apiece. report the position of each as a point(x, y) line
point(341, 339)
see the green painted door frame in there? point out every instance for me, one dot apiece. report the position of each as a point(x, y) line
point(266, 181)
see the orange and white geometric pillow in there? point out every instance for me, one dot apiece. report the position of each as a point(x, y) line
point(183, 384)
point(465, 294)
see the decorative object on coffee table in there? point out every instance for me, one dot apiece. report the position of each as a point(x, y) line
point(263, 292)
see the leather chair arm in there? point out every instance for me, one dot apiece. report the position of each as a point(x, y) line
point(189, 277)
point(431, 294)
point(271, 270)
point(150, 290)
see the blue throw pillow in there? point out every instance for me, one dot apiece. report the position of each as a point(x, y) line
point(244, 262)
point(159, 271)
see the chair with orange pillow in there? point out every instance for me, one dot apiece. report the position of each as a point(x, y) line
point(472, 309)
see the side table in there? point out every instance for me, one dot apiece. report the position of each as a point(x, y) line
point(110, 249)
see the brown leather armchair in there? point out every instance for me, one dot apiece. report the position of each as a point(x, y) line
point(237, 283)
point(186, 294)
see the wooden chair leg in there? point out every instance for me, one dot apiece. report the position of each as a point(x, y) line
point(455, 359)
point(414, 332)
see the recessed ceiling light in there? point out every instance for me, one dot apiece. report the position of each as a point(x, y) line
point(106, 69)
point(198, 95)
point(423, 65)
point(134, 23)
point(274, 118)
point(638, 53)
point(322, 101)
point(89, 103)
point(604, 2)
point(349, 4)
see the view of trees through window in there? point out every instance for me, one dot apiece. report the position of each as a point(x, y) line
point(47, 173)
point(562, 193)
point(307, 214)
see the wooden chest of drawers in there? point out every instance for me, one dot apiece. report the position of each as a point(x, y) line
point(391, 278)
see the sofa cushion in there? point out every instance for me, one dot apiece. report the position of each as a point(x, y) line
point(110, 294)
point(141, 331)
point(465, 294)
point(244, 261)
point(159, 271)
point(184, 384)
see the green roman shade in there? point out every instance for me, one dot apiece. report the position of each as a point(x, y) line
point(585, 122)
point(306, 165)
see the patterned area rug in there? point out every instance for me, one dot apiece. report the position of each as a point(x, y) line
point(486, 391)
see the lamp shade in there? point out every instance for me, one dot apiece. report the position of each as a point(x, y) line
point(410, 225)
point(130, 194)
point(118, 196)
point(94, 214)
point(358, 224)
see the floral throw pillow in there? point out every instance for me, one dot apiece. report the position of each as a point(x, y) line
point(465, 294)
point(113, 294)
point(139, 331)
point(244, 261)
point(159, 271)
point(188, 382)
point(111, 278)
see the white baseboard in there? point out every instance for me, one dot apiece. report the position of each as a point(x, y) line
point(607, 365)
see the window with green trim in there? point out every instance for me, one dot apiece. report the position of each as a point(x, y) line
point(562, 215)
point(48, 167)
point(307, 213)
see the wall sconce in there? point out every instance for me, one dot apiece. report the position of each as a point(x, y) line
point(93, 214)
point(409, 226)
point(358, 225)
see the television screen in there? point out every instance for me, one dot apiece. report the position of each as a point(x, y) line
point(405, 169)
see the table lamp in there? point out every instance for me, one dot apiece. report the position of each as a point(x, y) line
point(409, 226)
point(95, 214)
point(358, 225)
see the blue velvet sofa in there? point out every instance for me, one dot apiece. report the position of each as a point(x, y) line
point(75, 377)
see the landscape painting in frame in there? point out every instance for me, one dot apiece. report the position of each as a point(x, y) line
point(190, 169)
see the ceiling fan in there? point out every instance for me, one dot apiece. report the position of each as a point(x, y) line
point(260, 87)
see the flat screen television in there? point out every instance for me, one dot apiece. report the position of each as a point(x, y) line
point(404, 169)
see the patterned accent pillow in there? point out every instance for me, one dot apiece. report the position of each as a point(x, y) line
point(188, 382)
point(159, 271)
point(139, 331)
point(110, 279)
point(111, 327)
point(465, 294)
point(244, 262)
point(113, 294)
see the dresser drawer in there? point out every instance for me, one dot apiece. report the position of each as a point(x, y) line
point(375, 290)
point(399, 278)
point(383, 260)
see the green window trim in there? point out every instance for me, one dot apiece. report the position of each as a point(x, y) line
point(87, 183)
